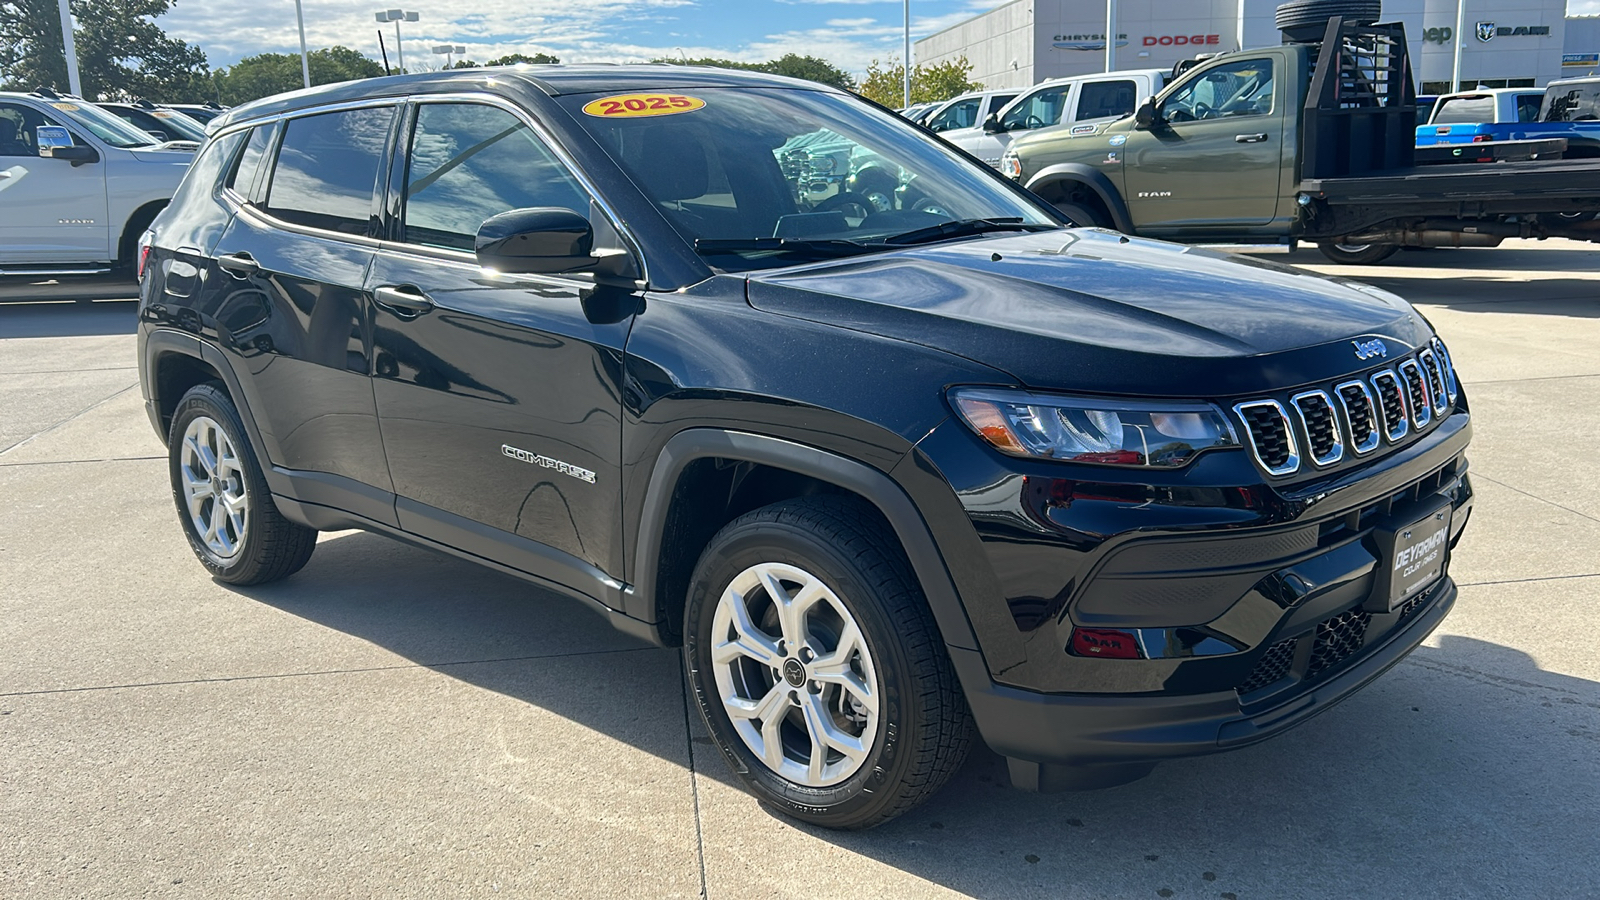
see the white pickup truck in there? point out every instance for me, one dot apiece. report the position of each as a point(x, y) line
point(1082, 101)
point(77, 186)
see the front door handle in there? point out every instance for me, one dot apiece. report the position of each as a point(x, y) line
point(239, 264)
point(1249, 138)
point(403, 299)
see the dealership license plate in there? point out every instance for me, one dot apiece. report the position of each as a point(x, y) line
point(1420, 551)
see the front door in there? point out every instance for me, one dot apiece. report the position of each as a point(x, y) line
point(294, 271)
point(1217, 159)
point(498, 395)
point(51, 211)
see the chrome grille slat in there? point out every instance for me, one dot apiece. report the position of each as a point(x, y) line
point(1324, 443)
point(1360, 416)
point(1436, 381)
point(1391, 404)
point(1271, 436)
point(1416, 386)
point(1449, 369)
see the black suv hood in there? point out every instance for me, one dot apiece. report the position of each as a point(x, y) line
point(1090, 310)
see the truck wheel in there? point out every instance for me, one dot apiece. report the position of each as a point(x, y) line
point(1081, 216)
point(1307, 20)
point(223, 501)
point(1358, 254)
point(817, 666)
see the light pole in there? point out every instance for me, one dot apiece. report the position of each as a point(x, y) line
point(305, 61)
point(908, 52)
point(71, 50)
point(397, 16)
point(1111, 35)
point(448, 49)
point(1461, 22)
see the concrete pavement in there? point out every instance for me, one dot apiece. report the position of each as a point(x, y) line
point(391, 722)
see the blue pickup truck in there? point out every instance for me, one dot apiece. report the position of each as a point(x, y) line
point(1568, 110)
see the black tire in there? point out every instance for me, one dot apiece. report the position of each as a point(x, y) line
point(1307, 20)
point(1081, 216)
point(1358, 254)
point(923, 728)
point(272, 548)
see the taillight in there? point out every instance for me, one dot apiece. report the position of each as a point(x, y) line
point(1479, 138)
point(143, 255)
point(1106, 643)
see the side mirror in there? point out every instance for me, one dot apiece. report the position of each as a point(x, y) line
point(992, 125)
point(55, 142)
point(546, 240)
point(1146, 117)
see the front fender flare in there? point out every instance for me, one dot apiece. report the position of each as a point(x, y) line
point(877, 488)
point(1091, 178)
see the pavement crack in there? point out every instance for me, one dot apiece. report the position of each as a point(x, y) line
point(1533, 378)
point(1574, 697)
point(1525, 580)
point(694, 791)
point(1535, 496)
point(69, 419)
point(72, 462)
point(321, 672)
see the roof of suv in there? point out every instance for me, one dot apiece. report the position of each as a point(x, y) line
point(554, 80)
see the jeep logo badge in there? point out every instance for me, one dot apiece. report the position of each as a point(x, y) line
point(1369, 349)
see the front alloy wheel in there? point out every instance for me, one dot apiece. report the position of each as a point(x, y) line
point(794, 675)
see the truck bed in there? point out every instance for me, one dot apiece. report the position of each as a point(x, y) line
point(1465, 183)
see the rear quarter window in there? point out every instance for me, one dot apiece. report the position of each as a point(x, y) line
point(327, 169)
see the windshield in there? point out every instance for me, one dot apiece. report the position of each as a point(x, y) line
point(769, 164)
point(165, 124)
point(102, 124)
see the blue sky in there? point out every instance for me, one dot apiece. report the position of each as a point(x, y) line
point(849, 33)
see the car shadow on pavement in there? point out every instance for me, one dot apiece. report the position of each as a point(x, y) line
point(67, 318)
point(1465, 771)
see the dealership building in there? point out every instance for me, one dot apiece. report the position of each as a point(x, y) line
point(1508, 43)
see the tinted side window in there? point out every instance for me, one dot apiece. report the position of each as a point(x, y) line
point(961, 115)
point(1574, 103)
point(1237, 89)
point(327, 168)
point(255, 150)
point(1038, 109)
point(1528, 107)
point(1101, 99)
point(469, 162)
point(1465, 110)
point(16, 130)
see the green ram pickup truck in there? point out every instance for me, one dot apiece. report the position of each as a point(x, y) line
point(1309, 141)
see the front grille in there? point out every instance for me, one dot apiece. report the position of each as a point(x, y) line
point(1322, 430)
point(1272, 668)
point(1270, 436)
point(1436, 383)
point(1336, 639)
point(1417, 393)
point(1359, 415)
point(1392, 404)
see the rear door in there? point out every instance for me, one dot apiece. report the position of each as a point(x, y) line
point(1216, 161)
point(51, 211)
point(297, 258)
point(499, 395)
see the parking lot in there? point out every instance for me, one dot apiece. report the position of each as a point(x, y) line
point(391, 722)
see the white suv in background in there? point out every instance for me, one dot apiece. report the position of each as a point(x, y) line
point(78, 186)
point(967, 110)
point(1085, 101)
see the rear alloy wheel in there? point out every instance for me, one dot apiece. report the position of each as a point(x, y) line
point(817, 667)
point(223, 501)
point(1358, 254)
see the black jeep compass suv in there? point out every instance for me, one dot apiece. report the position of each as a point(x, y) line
point(889, 464)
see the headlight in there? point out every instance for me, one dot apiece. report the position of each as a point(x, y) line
point(1164, 434)
point(1011, 164)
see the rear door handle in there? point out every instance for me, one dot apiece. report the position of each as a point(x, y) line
point(239, 263)
point(402, 298)
point(1249, 138)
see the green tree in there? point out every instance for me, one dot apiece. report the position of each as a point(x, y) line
point(122, 52)
point(793, 65)
point(885, 82)
point(266, 74)
point(512, 59)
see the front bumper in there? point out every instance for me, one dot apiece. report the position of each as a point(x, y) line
point(1110, 730)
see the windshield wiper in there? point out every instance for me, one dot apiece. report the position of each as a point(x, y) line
point(818, 249)
point(962, 228)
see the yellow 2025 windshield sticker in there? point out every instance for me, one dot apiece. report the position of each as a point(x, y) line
point(627, 106)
